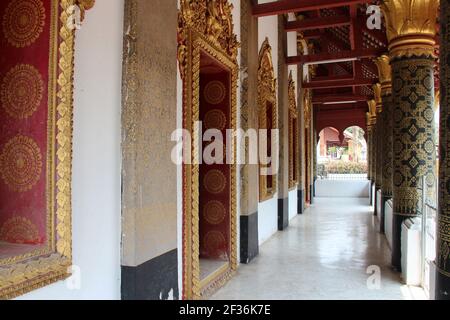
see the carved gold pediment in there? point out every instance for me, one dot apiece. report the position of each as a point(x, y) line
point(211, 18)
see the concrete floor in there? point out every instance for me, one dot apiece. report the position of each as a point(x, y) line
point(324, 254)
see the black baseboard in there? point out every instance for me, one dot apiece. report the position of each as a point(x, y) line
point(375, 211)
point(249, 242)
point(153, 280)
point(371, 193)
point(314, 187)
point(283, 214)
point(442, 286)
point(311, 192)
point(397, 222)
point(301, 201)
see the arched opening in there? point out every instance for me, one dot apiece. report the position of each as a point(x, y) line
point(342, 154)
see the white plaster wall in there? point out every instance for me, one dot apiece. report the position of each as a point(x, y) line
point(96, 157)
point(293, 204)
point(267, 219)
point(388, 218)
point(342, 189)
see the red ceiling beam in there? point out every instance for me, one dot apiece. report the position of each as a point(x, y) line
point(338, 98)
point(323, 58)
point(312, 34)
point(286, 6)
point(329, 84)
point(318, 23)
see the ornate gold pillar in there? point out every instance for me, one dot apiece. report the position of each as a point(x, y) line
point(443, 238)
point(411, 28)
point(385, 76)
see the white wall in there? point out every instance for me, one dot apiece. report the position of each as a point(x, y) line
point(342, 189)
point(293, 204)
point(267, 219)
point(96, 157)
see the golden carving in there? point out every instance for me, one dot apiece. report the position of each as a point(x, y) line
point(377, 97)
point(21, 91)
point(213, 20)
point(384, 74)
point(23, 274)
point(23, 22)
point(267, 98)
point(411, 26)
point(197, 33)
point(372, 114)
point(21, 163)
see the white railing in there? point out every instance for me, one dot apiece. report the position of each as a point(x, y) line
point(344, 177)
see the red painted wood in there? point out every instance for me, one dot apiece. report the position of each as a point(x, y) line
point(339, 84)
point(287, 6)
point(322, 58)
point(318, 23)
point(336, 98)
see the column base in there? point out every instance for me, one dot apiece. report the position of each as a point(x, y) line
point(301, 201)
point(249, 242)
point(156, 279)
point(397, 241)
point(384, 199)
point(311, 192)
point(283, 214)
point(375, 211)
point(371, 196)
point(442, 286)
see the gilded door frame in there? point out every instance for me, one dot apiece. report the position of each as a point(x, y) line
point(192, 43)
point(266, 93)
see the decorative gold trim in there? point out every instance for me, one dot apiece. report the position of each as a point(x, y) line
point(293, 136)
point(266, 94)
point(411, 26)
point(204, 27)
point(38, 271)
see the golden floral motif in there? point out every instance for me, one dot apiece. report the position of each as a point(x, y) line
point(215, 119)
point(21, 91)
point(214, 212)
point(21, 163)
point(23, 22)
point(215, 92)
point(215, 181)
point(19, 230)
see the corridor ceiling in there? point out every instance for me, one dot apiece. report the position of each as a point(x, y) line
point(341, 49)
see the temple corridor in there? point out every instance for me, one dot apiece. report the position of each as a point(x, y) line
point(323, 255)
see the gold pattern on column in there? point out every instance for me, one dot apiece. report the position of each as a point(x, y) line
point(411, 26)
point(379, 127)
point(385, 76)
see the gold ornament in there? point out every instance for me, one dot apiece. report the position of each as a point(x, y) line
point(411, 26)
point(384, 74)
